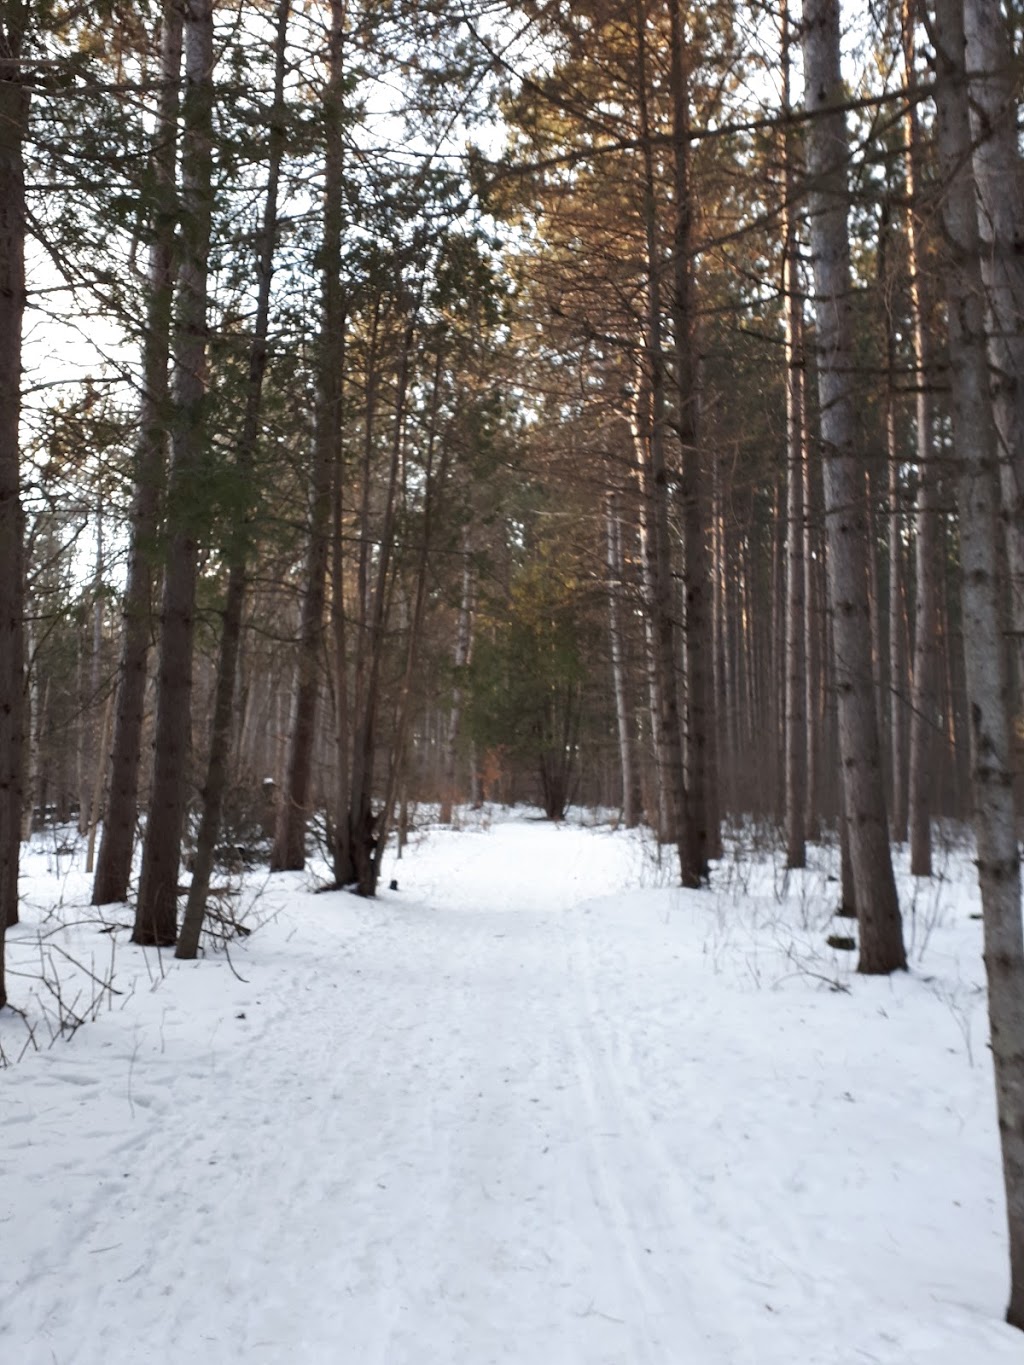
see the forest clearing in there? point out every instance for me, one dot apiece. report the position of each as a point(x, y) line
point(537, 1105)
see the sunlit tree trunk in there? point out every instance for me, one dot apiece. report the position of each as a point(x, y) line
point(114, 862)
point(156, 911)
point(982, 594)
point(881, 936)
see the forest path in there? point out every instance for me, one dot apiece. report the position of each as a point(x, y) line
point(405, 1142)
point(511, 1114)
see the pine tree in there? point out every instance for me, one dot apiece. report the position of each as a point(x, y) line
point(14, 108)
point(983, 594)
point(881, 938)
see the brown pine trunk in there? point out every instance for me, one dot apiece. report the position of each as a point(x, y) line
point(983, 590)
point(113, 865)
point(881, 936)
point(238, 551)
point(156, 911)
point(13, 122)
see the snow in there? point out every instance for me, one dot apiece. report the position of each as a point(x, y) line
point(536, 1107)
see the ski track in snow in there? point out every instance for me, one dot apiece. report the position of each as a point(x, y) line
point(514, 1114)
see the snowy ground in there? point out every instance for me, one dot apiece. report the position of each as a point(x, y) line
point(533, 1108)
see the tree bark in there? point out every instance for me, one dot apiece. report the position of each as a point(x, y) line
point(14, 102)
point(982, 586)
point(999, 182)
point(156, 911)
point(702, 837)
point(114, 862)
point(881, 935)
point(239, 549)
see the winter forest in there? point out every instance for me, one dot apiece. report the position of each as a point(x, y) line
point(558, 466)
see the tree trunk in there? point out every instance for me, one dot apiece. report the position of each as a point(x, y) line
point(238, 550)
point(881, 936)
point(96, 795)
point(289, 851)
point(664, 613)
point(613, 551)
point(815, 631)
point(923, 711)
point(795, 647)
point(114, 862)
point(898, 680)
point(999, 181)
point(362, 865)
point(640, 423)
point(719, 636)
point(156, 911)
point(32, 729)
point(982, 594)
point(893, 690)
point(13, 122)
point(433, 487)
point(460, 661)
point(703, 837)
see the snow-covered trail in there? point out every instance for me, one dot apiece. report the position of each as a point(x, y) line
point(487, 1119)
